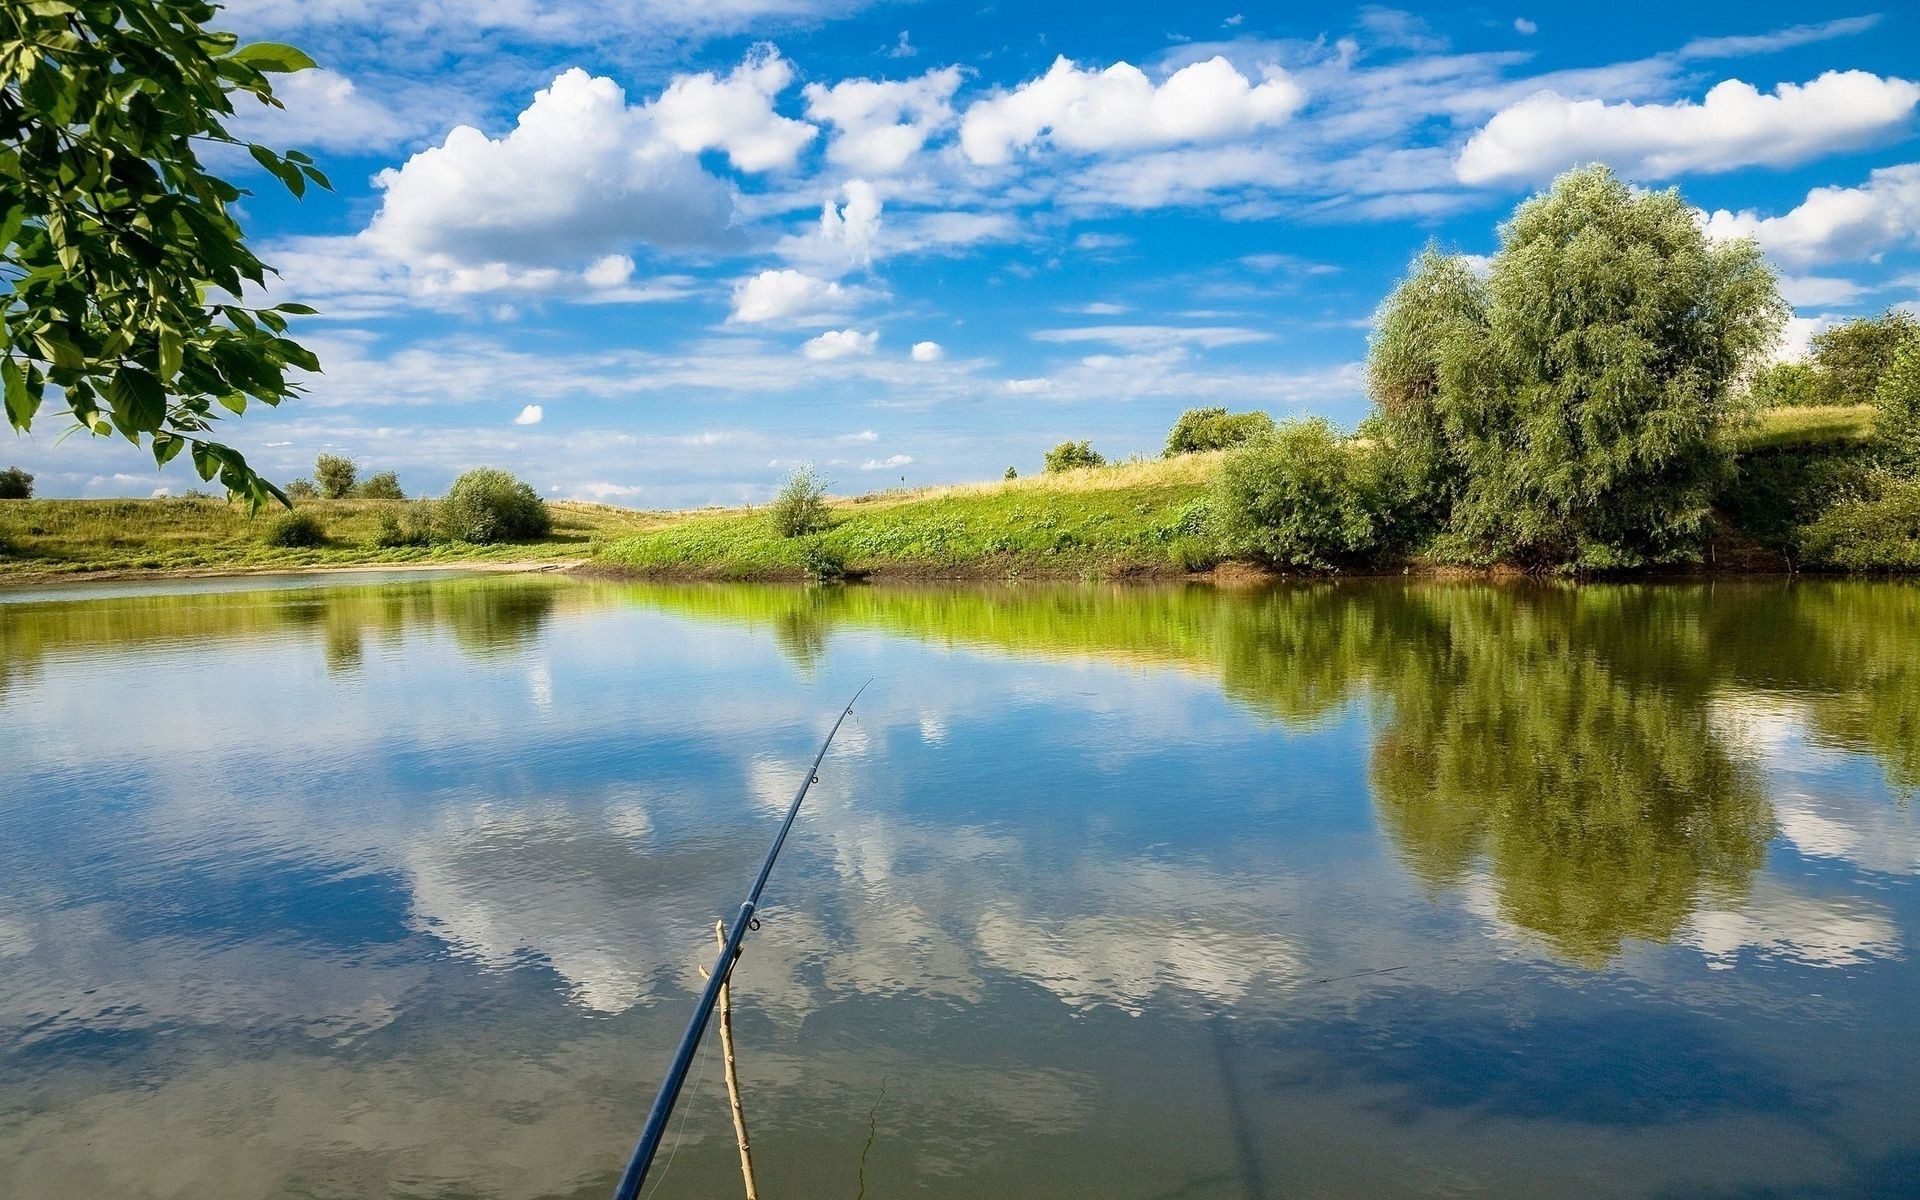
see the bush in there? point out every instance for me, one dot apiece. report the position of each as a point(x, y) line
point(1896, 424)
point(1881, 533)
point(416, 530)
point(383, 486)
point(821, 563)
point(335, 475)
point(1786, 385)
point(15, 484)
point(1070, 456)
point(296, 531)
point(301, 489)
point(1192, 553)
point(1201, 429)
point(1011, 474)
point(1299, 496)
point(1851, 359)
point(801, 506)
point(488, 505)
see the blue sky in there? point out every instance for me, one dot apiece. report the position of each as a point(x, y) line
point(658, 253)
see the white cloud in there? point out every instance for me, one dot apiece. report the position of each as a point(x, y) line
point(1208, 336)
point(927, 352)
point(1779, 39)
point(840, 343)
point(1029, 387)
point(788, 296)
point(1525, 27)
point(735, 114)
point(532, 414)
point(612, 271)
point(1813, 290)
point(1835, 223)
point(1734, 126)
point(880, 124)
point(1101, 241)
point(865, 435)
point(881, 464)
point(1103, 308)
point(1121, 109)
point(324, 111)
point(581, 176)
point(846, 234)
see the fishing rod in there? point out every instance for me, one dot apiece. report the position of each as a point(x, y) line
point(656, 1127)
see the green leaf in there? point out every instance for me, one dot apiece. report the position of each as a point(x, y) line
point(21, 404)
point(171, 352)
point(272, 56)
point(138, 398)
point(167, 447)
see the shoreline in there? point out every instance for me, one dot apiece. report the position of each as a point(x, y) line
point(35, 579)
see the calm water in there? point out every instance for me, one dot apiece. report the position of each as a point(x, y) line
point(399, 888)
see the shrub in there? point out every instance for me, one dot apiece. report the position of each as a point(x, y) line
point(801, 506)
point(1300, 496)
point(1192, 553)
point(15, 484)
point(335, 475)
point(1880, 533)
point(383, 486)
point(488, 505)
point(1011, 474)
point(1786, 385)
point(1897, 422)
point(416, 530)
point(1069, 456)
point(822, 563)
point(1851, 358)
point(296, 531)
point(301, 489)
point(1201, 429)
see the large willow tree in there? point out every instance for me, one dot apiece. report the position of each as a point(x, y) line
point(1566, 408)
point(121, 264)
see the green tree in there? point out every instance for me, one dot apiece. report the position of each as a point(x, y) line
point(1068, 456)
point(1201, 429)
point(488, 505)
point(122, 260)
point(1787, 384)
point(1299, 496)
point(15, 484)
point(302, 489)
point(336, 475)
point(1851, 358)
point(801, 506)
point(1897, 396)
point(383, 485)
point(1572, 402)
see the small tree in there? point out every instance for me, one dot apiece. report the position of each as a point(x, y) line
point(800, 508)
point(1299, 496)
point(1786, 384)
point(1850, 359)
point(1011, 474)
point(1069, 456)
point(1200, 429)
point(488, 505)
point(302, 489)
point(382, 486)
point(335, 475)
point(15, 484)
point(1897, 423)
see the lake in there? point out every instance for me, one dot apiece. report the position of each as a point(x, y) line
point(400, 886)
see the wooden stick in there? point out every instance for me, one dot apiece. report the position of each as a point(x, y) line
point(733, 1073)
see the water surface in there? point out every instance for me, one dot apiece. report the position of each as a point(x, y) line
point(400, 888)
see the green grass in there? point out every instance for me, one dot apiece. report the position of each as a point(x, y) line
point(1811, 425)
point(65, 537)
point(1098, 521)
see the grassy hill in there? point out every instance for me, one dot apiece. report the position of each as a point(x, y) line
point(66, 537)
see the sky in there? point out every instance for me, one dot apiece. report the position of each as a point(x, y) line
point(658, 253)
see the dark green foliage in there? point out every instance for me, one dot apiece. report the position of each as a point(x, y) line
point(119, 237)
point(1011, 474)
point(1193, 553)
point(1300, 496)
point(1849, 359)
point(336, 475)
point(296, 531)
point(1876, 533)
point(487, 505)
point(801, 506)
point(1569, 410)
point(15, 484)
point(1201, 429)
point(822, 563)
point(416, 530)
point(1897, 421)
point(1068, 456)
point(302, 489)
point(382, 486)
point(1787, 385)
point(1773, 493)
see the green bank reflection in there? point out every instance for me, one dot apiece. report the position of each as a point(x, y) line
point(1576, 753)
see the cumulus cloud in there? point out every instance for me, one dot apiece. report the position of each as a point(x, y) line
point(323, 110)
point(1835, 223)
point(788, 296)
point(532, 414)
point(1734, 126)
point(847, 233)
point(735, 114)
point(840, 343)
point(581, 176)
point(880, 124)
point(881, 464)
point(927, 352)
point(1121, 109)
point(1524, 27)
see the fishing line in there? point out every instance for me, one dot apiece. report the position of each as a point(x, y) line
point(680, 1127)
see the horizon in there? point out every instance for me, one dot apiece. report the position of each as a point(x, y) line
point(661, 275)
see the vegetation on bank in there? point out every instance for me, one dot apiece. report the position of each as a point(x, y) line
point(70, 537)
